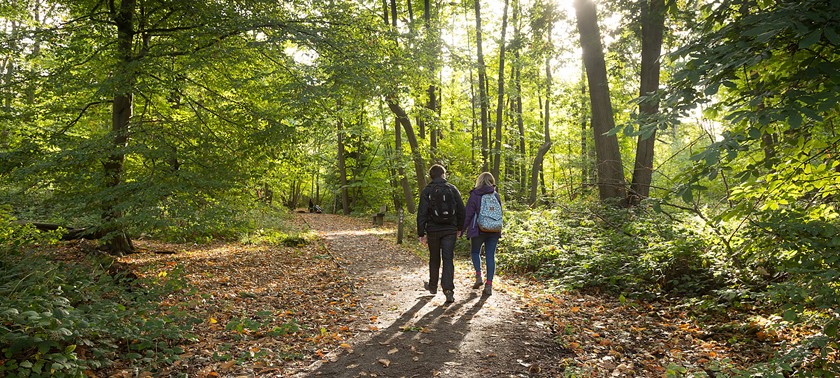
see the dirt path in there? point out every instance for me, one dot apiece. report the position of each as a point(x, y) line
point(409, 333)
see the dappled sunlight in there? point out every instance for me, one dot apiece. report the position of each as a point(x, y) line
point(370, 231)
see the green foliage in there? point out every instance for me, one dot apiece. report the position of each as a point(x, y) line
point(262, 323)
point(61, 318)
point(14, 236)
point(784, 261)
point(635, 251)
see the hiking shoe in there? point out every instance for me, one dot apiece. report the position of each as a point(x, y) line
point(488, 289)
point(478, 282)
point(432, 289)
point(450, 296)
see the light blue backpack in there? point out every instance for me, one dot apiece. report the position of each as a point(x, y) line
point(490, 214)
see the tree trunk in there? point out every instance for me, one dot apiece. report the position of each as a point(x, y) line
point(522, 171)
point(419, 165)
point(342, 169)
point(431, 92)
point(536, 169)
point(117, 241)
point(391, 159)
point(482, 89)
point(610, 171)
point(394, 14)
point(584, 147)
point(402, 119)
point(653, 24)
point(408, 198)
point(497, 150)
point(472, 92)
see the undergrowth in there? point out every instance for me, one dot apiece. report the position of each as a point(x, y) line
point(783, 265)
point(62, 318)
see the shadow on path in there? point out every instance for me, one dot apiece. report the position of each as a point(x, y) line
point(410, 347)
point(419, 335)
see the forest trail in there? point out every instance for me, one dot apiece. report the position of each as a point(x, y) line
point(407, 332)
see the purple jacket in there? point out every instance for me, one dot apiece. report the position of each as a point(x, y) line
point(473, 208)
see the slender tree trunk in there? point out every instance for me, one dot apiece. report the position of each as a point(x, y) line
point(522, 170)
point(385, 11)
point(497, 150)
point(584, 147)
point(419, 165)
point(472, 91)
point(653, 25)
point(391, 160)
point(431, 91)
point(410, 13)
point(610, 171)
point(482, 89)
point(117, 241)
point(409, 198)
point(402, 119)
point(342, 169)
point(537, 168)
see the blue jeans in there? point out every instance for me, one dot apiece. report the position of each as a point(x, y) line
point(490, 242)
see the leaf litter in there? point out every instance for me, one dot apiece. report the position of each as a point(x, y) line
point(286, 311)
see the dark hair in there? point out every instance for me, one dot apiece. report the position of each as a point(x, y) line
point(436, 171)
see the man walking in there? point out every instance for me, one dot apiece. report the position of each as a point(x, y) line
point(440, 217)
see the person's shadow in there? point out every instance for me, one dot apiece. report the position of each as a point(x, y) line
point(409, 348)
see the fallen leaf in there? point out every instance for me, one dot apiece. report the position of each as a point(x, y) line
point(227, 365)
point(384, 362)
point(392, 351)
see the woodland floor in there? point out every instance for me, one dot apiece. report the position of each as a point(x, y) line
point(352, 304)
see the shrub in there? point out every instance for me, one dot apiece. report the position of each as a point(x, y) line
point(618, 250)
point(62, 318)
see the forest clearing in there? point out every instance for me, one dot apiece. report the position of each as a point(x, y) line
point(259, 187)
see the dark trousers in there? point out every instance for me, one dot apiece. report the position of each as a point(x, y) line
point(442, 245)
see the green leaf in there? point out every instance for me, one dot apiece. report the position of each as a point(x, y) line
point(810, 39)
point(754, 133)
point(26, 364)
point(712, 89)
point(628, 130)
point(687, 196)
point(790, 315)
point(713, 174)
point(44, 347)
point(614, 130)
point(794, 120)
point(831, 329)
point(832, 36)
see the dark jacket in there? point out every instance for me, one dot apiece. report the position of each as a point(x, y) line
point(424, 223)
point(474, 207)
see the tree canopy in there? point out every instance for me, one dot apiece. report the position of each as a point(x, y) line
point(710, 121)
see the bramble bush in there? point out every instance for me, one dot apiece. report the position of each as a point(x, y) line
point(782, 261)
point(62, 318)
point(630, 251)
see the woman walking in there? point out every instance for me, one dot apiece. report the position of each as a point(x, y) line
point(484, 227)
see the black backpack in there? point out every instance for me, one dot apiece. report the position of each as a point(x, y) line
point(442, 204)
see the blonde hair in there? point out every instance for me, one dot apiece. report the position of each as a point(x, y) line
point(485, 179)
